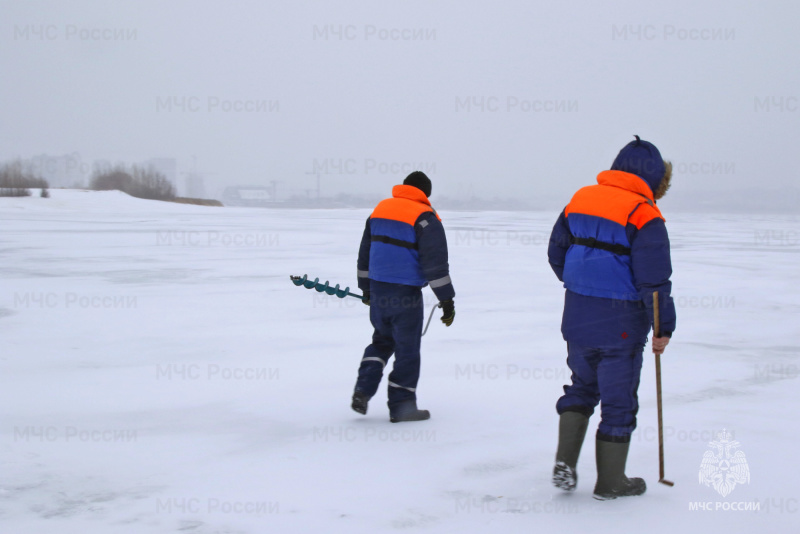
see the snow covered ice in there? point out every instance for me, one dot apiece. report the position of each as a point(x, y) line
point(160, 373)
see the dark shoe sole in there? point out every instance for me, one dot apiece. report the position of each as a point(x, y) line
point(360, 403)
point(419, 415)
point(635, 488)
point(564, 477)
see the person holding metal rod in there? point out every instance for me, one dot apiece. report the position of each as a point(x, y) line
point(403, 249)
point(611, 250)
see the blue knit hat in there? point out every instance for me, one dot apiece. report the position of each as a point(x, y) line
point(642, 159)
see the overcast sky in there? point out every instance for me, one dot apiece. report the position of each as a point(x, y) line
point(490, 98)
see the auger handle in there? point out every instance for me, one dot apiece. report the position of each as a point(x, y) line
point(438, 305)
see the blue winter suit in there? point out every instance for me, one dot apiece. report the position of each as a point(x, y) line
point(403, 249)
point(611, 249)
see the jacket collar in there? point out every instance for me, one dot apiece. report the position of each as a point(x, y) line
point(627, 181)
point(410, 192)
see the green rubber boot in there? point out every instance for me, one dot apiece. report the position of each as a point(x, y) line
point(571, 431)
point(611, 479)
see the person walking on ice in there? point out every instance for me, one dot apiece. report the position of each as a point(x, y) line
point(611, 250)
point(403, 249)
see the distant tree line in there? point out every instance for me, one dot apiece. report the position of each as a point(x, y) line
point(137, 181)
point(17, 180)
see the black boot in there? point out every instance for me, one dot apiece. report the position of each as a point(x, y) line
point(611, 479)
point(407, 411)
point(571, 431)
point(360, 401)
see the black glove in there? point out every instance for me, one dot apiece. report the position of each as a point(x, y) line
point(448, 312)
point(365, 300)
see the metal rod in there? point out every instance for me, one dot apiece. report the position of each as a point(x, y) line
point(438, 305)
point(657, 333)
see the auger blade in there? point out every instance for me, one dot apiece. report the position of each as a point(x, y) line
point(323, 288)
point(342, 293)
point(332, 290)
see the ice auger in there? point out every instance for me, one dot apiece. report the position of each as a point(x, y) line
point(342, 293)
point(323, 288)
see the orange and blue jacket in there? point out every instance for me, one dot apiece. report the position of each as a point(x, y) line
point(611, 249)
point(404, 243)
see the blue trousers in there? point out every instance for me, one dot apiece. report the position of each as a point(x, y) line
point(609, 377)
point(396, 312)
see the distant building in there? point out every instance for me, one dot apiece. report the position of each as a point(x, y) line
point(248, 195)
